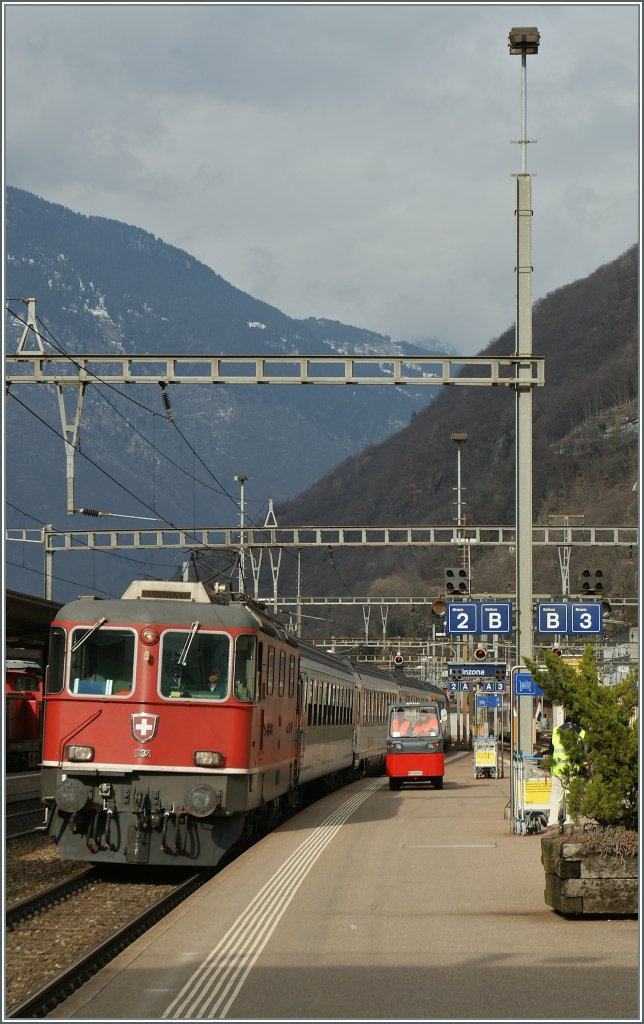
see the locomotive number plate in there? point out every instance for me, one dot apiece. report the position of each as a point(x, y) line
point(141, 752)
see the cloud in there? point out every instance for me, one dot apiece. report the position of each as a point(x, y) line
point(348, 161)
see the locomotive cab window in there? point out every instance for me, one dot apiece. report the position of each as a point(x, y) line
point(55, 675)
point(245, 660)
point(194, 665)
point(101, 662)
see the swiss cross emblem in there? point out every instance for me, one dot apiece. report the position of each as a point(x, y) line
point(144, 726)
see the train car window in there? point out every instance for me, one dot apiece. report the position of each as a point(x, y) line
point(309, 702)
point(271, 670)
point(282, 676)
point(316, 702)
point(56, 667)
point(103, 664)
point(261, 673)
point(205, 674)
point(245, 660)
point(291, 675)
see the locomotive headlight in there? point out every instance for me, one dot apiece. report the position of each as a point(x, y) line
point(76, 753)
point(209, 759)
point(149, 635)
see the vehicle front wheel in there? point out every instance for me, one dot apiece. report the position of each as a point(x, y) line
point(437, 782)
point(395, 783)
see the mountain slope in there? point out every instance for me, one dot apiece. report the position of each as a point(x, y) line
point(103, 286)
point(587, 333)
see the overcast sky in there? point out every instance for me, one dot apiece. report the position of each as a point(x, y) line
point(349, 161)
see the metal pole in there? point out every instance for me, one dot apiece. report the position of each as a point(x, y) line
point(49, 562)
point(242, 553)
point(523, 41)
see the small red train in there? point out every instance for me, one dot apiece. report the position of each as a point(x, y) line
point(23, 722)
point(179, 721)
point(417, 735)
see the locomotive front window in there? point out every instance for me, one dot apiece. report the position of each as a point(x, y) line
point(414, 721)
point(101, 662)
point(205, 672)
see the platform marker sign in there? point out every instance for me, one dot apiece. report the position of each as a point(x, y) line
point(465, 618)
point(570, 617)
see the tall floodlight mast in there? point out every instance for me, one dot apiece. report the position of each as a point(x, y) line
point(523, 41)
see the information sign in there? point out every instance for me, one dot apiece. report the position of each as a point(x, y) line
point(488, 700)
point(466, 618)
point(525, 686)
point(477, 670)
point(460, 686)
point(586, 618)
point(461, 617)
point(581, 618)
point(495, 617)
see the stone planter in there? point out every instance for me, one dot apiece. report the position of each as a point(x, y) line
point(582, 882)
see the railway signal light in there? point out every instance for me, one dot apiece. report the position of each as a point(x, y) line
point(480, 654)
point(557, 651)
point(398, 659)
point(592, 581)
point(456, 580)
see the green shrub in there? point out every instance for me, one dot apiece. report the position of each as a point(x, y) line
point(603, 780)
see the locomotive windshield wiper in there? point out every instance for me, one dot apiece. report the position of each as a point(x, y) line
point(186, 647)
point(86, 636)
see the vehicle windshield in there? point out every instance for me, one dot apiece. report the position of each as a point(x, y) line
point(102, 661)
point(414, 721)
point(205, 674)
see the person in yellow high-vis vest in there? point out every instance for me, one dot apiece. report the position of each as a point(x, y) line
point(560, 770)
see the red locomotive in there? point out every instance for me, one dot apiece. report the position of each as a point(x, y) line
point(23, 724)
point(179, 720)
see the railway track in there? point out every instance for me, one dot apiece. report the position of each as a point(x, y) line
point(23, 821)
point(33, 920)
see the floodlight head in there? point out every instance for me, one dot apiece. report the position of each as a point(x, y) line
point(524, 40)
point(458, 437)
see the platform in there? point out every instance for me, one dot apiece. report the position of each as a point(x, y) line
point(412, 905)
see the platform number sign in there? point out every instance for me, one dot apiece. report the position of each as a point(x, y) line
point(461, 617)
point(570, 617)
point(474, 617)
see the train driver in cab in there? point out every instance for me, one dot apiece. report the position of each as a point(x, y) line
point(427, 725)
point(216, 685)
point(400, 723)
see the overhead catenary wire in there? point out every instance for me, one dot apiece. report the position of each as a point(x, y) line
point(97, 380)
